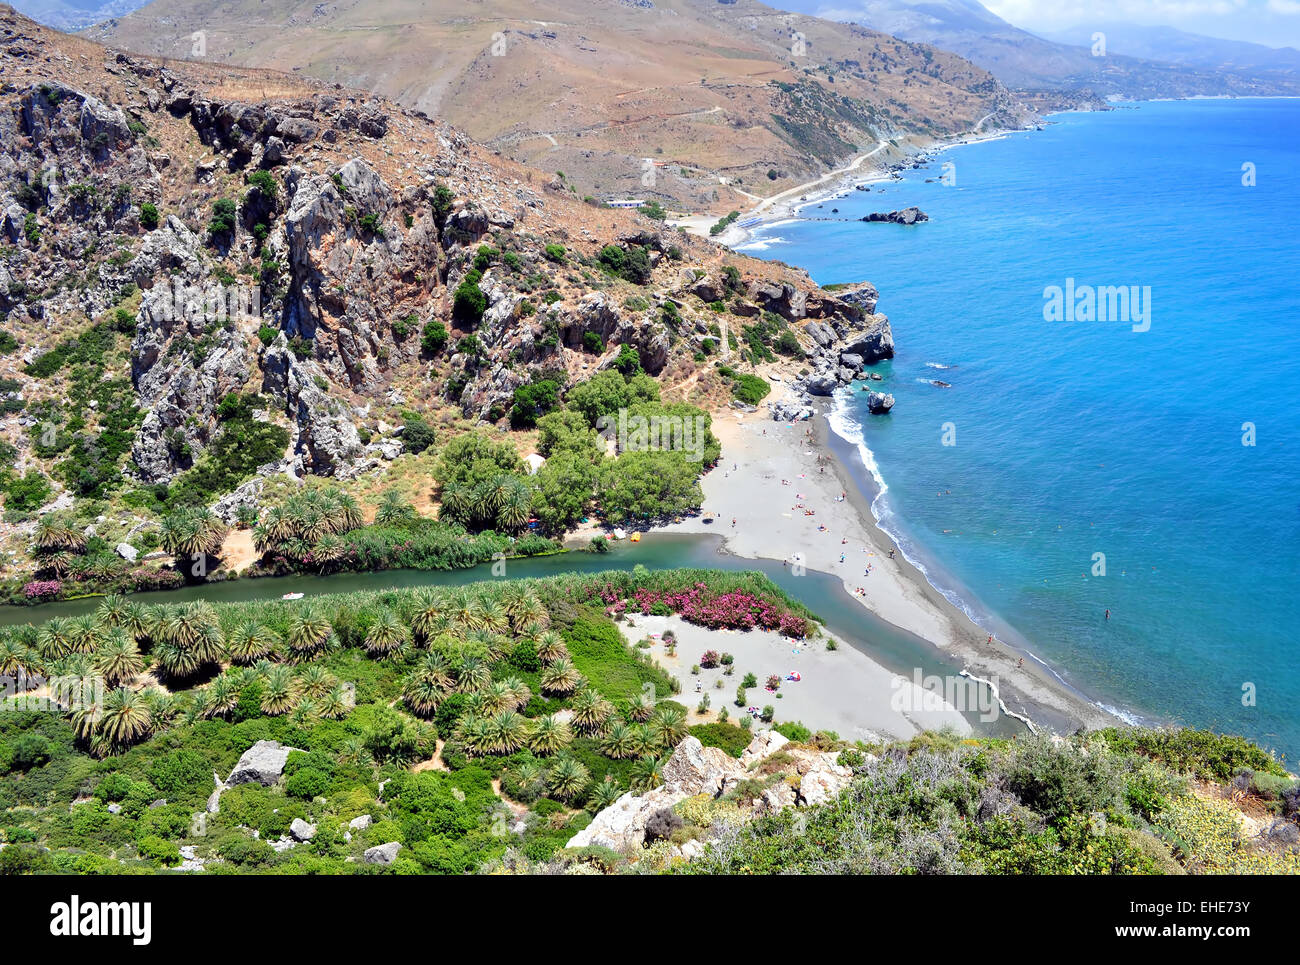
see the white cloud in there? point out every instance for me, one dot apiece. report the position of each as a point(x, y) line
point(1064, 13)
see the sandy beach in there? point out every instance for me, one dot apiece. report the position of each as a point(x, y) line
point(841, 690)
point(884, 158)
point(792, 500)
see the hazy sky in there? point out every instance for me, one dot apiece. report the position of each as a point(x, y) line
point(1272, 22)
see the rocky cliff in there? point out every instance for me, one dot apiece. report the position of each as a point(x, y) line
point(347, 260)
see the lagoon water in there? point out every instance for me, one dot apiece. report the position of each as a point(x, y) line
point(1078, 438)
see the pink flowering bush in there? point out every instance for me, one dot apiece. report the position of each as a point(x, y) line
point(735, 610)
point(40, 588)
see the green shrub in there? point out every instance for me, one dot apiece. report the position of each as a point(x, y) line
point(149, 216)
point(729, 737)
point(223, 218)
point(434, 338)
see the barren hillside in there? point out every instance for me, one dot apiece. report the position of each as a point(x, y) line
point(679, 100)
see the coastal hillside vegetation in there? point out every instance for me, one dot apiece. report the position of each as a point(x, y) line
point(483, 727)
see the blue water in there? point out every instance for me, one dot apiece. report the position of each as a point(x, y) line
point(1081, 437)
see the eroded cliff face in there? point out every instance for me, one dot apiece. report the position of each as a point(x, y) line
point(262, 235)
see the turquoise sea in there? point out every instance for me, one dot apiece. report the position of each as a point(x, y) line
point(1078, 438)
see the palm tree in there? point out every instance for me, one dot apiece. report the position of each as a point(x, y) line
point(250, 642)
point(460, 607)
point(437, 668)
point(354, 752)
point(422, 694)
point(388, 635)
point(342, 511)
point(112, 610)
point(118, 660)
point(527, 776)
point(175, 661)
point(54, 640)
point(328, 550)
point(393, 509)
point(52, 535)
point(219, 698)
point(509, 730)
point(428, 616)
point(309, 632)
point(590, 711)
point(280, 691)
point(192, 533)
point(560, 677)
point(531, 612)
point(127, 718)
point(57, 563)
point(619, 742)
point(497, 697)
point(645, 739)
point(83, 634)
point(472, 674)
point(568, 778)
point(457, 502)
point(314, 680)
point(492, 616)
point(477, 734)
point(520, 692)
point(303, 713)
point(515, 507)
point(336, 703)
point(492, 495)
point(647, 773)
point(137, 621)
point(549, 735)
point(605, 793)
point(669, 722)
point(640, 706)
point(186, 623)
point(17, 661)
point(550, 647)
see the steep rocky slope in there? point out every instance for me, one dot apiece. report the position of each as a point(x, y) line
point(692, 102)
point(178, 234)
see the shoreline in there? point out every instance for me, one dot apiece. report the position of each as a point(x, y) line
point(764, 452)
point(787, 204)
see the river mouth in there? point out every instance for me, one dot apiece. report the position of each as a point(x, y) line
point(891, 647)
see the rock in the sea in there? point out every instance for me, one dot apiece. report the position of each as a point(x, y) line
point(911, 215)
point(878, 403)
point(263, 762)
point(383, 853)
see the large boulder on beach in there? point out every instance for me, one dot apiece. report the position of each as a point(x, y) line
point(872, 344)
point(790, 410)
point(263, 762)
point(822, 383)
